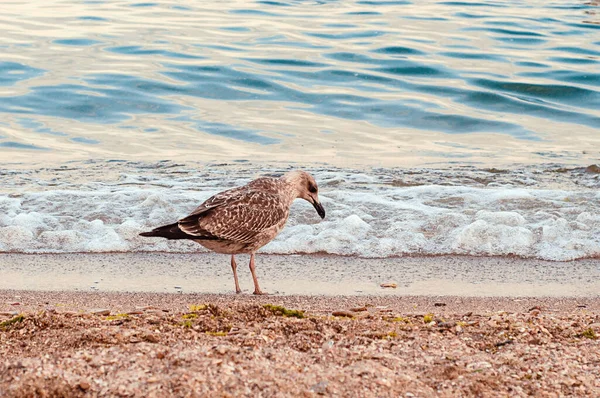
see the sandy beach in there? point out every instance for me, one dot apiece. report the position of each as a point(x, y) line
point(326, 275)
point(168, 344)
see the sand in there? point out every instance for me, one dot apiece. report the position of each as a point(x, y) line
point(302, 274)
point(153, 344)
point(457, 326)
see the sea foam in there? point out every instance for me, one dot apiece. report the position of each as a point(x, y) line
point(368, 215)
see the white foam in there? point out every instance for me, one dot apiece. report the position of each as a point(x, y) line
point(364, 217)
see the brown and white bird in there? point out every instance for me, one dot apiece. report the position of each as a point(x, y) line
point(244, 219)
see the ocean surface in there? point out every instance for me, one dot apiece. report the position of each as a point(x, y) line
point(432, 127)
point(370, 82)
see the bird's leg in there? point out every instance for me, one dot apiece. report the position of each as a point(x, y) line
point(235, 278)
point(253, 271)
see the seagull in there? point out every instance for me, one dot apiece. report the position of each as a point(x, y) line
point(244, 219)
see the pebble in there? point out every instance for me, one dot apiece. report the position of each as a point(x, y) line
point(593, 168)
point(476, 366)
point(384, 382)
point(146, 308)
point(392, 285)
point(328, 345)
point(439, 304)
point(12, 313)
point(15, 303)
point(320, 388)
point(70, 313)
point(153, 320)
point(84, 385)
point(100, 311)
point(446, 325)
point(358, 309)
point(343, 313)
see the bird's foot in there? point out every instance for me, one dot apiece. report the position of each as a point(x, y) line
point(260, 293)
point(238, 291)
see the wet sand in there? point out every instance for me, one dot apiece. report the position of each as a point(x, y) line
point(302, 274)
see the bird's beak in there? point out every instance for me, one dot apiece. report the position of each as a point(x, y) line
point(319, 208)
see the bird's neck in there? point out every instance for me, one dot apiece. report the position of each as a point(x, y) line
point(292, 180)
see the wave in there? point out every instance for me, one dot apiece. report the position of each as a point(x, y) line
point(551, 214)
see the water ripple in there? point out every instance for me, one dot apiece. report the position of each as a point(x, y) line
point(357, 77)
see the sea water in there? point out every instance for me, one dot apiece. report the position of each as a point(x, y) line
point(358, 82)
point(432, 127)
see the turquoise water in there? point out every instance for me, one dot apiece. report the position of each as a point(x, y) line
point(366, 82)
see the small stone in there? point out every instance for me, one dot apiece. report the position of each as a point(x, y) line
point(478, 366)
point(503, 343)
point(153, 320)
point(593, 168)
point(343, 314)
point(100, 311)
point(70, 313)
point(358, 309)
point(384, 382)
point(392, 285)
point(15, 303)
point(328, 345)
point(146, 308)
point(439, 304)
point(84, 385)
point(12, 313)
point(150, 338)
point(446, 325)
point(320, 388)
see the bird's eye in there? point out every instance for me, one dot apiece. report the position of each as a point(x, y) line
point(312, 188)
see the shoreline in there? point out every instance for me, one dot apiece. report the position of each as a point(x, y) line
point(302, 274)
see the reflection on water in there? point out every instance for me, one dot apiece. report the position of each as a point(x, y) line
point(370, 82)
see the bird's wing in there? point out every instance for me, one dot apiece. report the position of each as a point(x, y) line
point(239, 217)
point(219, 199)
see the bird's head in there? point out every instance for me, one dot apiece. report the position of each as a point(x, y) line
point(306, 188)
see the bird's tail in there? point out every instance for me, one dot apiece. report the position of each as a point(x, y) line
point(170, 231)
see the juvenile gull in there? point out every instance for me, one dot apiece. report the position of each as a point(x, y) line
point(244, 219)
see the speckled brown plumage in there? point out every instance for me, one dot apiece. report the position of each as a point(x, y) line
point(244, 219)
